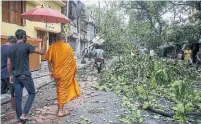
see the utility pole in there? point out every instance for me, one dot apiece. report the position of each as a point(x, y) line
point(67, 10)
point(78, 40)
point(99, 16)
point(79, 36)
point(78, 28)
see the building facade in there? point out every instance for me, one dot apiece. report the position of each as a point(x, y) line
point(87, 30)
point(82, 26)
point(70, 11)
point(83, 35)
point(91, 26)
point(11, 21)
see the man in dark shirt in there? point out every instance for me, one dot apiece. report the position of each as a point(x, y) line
point(18, 68)
point(4, 72)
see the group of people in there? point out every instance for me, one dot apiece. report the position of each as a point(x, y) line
point(188, 57)
point(16, 75)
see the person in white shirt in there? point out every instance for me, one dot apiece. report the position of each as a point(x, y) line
point(99, 53)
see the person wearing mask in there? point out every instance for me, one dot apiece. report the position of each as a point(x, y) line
point(20, 75)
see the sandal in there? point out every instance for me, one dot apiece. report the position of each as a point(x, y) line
point(64, 114)
point(24, 118)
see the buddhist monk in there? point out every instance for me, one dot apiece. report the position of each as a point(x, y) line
point(62, 68)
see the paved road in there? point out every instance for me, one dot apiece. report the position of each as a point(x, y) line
point(41, 78)
point(93, 106)
point(96, 107)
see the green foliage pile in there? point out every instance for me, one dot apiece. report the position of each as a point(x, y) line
point(141, 82)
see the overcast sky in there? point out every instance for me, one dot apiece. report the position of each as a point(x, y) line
point(89, 2)
point(167, 16)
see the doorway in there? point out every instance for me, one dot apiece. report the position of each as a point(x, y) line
point(52, 38)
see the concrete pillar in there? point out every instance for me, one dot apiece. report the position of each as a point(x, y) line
point(67, 4)
point(78, 43)
point(78, 46)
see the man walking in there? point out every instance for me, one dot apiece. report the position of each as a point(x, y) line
point(5, 83)
point(99, 53)
point(63, 68)
point(18, 68)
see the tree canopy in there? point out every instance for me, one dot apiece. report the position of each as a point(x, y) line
point(150, 23)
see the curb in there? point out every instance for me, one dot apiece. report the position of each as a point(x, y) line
point(42, 84)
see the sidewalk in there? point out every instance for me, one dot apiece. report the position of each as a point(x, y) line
point(41, 78)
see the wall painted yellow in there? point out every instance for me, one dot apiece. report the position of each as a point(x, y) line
point(0, 14)
point(9, 29)
point(56, 7)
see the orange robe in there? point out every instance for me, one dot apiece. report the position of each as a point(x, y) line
point(60, 54)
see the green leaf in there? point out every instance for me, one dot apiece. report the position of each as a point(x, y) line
point(145, 105)
point(124, 119)
point(189, 107)
point(179, 108)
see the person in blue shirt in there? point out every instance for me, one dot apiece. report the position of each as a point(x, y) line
point(5, 83)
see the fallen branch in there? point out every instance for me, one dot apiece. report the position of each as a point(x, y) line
point(171, 114)
point(160, 112)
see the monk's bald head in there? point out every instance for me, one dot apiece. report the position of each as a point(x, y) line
point(61, 36)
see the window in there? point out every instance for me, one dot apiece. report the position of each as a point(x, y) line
point(11, 11)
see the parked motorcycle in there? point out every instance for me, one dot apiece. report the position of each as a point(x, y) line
point(99, 65)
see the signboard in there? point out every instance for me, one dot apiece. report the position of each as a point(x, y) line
point(67, 30)
point(74, 29)
point(48, 6)
point(50, 26)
